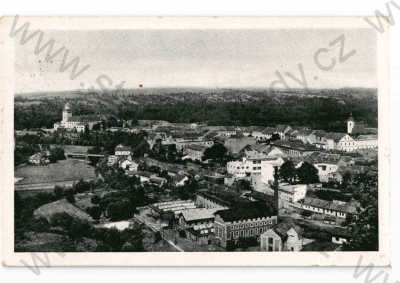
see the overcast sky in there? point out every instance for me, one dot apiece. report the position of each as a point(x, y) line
point(199, 58)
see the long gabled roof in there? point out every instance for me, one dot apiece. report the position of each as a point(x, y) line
point(334, 136)
point(121, 147)
point(315, 202)
point(245, 211)
point(198, 214)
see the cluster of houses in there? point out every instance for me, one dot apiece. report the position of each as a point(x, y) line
point(225, 219)
point(40, 158)
point(123, 158)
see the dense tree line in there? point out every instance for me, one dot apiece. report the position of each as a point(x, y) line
point(101, 141)
point(319, 113)
point(322, 110)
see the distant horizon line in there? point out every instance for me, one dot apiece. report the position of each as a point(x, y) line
point(195, 87)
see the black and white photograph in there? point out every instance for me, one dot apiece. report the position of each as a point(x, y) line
point(163, 139)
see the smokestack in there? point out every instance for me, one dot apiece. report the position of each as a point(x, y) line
point(275, 186)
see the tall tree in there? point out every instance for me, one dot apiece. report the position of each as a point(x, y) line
point(288, 172)
point(307, 173)
point(217, 152)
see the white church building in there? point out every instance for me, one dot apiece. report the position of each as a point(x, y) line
point(356, 139)
point(78, 123)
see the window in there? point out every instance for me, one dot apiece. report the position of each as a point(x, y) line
point(270, 244)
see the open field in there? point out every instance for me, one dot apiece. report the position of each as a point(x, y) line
point(62, 171)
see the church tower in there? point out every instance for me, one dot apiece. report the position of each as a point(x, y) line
point(67, 113)
point(350, 124)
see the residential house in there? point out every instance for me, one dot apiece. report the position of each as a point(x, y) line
point(129, 164)
point(305, 135)
point(179, 180)
point(282, 237)
point(366, 142)
point(40, 158)
point(254, 166)
point(181, 145)
point(282, 131)
point(292, 193)
point(235, 145)
point(201, 234)
point(227, 132)
point(260, 150)
point(197, 216)
point(121, 150)
point(194, 152)
point(327, 165)
point(262, 135)
point(112, 160)
point(158, 181)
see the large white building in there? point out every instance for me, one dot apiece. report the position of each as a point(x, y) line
point(78, 123)
point(292, 193)
point(248, 167)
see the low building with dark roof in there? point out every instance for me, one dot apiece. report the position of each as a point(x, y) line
point(208, 199)
point(294, 148)
point(197, 216)
point(329, 208)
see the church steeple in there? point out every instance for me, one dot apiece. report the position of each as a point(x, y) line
point(67, 113)
point(350, 124)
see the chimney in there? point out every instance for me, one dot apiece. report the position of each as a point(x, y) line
point(275, 187)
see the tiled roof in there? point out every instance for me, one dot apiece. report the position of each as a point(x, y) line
point(296, 144)
point(315, 202)
point(85, 118)
point(334, 136)
point(121, 147)
point(198, 214)
point(244, 211)
point(269, 130)
point(196, 147)
point(367, 137)
point(282, 228)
